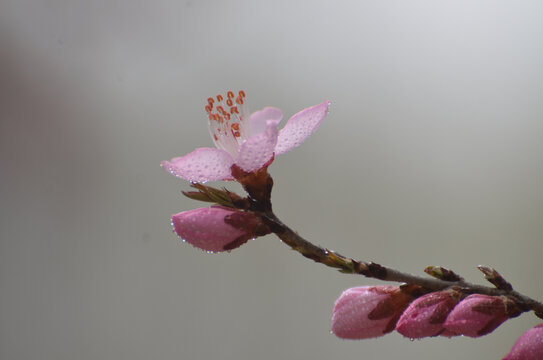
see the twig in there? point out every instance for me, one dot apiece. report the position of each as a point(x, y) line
point(377, 271)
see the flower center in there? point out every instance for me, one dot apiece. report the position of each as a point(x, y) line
point(226, 119)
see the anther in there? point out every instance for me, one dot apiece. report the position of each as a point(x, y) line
point(242, 94)
point(239, 100)
point(234, 109)
point(208, 108)
point(219, 98)
point(229, 102)
point(235, 126)
point(237, 134)
point(210, 100)
point(230, 94)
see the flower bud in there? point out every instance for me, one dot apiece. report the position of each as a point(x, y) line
point(529, 346)
point(478, 315)
point(425, 316)
point(217, 228)
point(368, 311)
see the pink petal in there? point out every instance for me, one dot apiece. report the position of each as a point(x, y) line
point(257, 122)
point(206, 228)
point(425, 316)
point(201, 165)
point(300, 126)
point(366, 312)
point(529, 346)
point(258, 150)
point(476, 315)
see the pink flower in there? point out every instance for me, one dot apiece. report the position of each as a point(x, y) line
point(425, 316)
point(217, 228)
point(249, 141)
point(477, 315)
point(368, 311)
point(529, 346)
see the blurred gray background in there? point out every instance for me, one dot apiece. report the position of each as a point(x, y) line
point(431, 154)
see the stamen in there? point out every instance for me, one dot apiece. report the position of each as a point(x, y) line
point(228, 116)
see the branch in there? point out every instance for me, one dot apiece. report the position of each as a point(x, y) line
point(377, 271)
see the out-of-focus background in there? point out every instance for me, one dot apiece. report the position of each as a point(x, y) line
point(431, 155)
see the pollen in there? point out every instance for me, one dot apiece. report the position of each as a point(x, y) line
point(225, 114)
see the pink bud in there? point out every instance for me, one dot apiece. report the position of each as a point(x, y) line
point(477, 315)
point(368, 311)
point(425, 316)
point(529, 345)
point(217, 228)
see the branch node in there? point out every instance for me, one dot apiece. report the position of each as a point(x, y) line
point(442, 273)
point(495, 278)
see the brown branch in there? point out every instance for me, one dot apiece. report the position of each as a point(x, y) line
point(374, 270)
point(259, 185)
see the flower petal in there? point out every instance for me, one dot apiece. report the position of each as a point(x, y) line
point(425, 316)
point(529, 346)
point(206, 228)
point(368, 311)
point(257, 122)
point(201, 165)
point(476, 315)
point(300, 126)
point(258, 150)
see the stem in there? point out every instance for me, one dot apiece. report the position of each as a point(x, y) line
point(373, 270)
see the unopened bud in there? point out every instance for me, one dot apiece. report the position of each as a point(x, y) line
point(368, 311)
point(478, 315)
point(217, 228)
point(425, 316)
point(529, 345)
